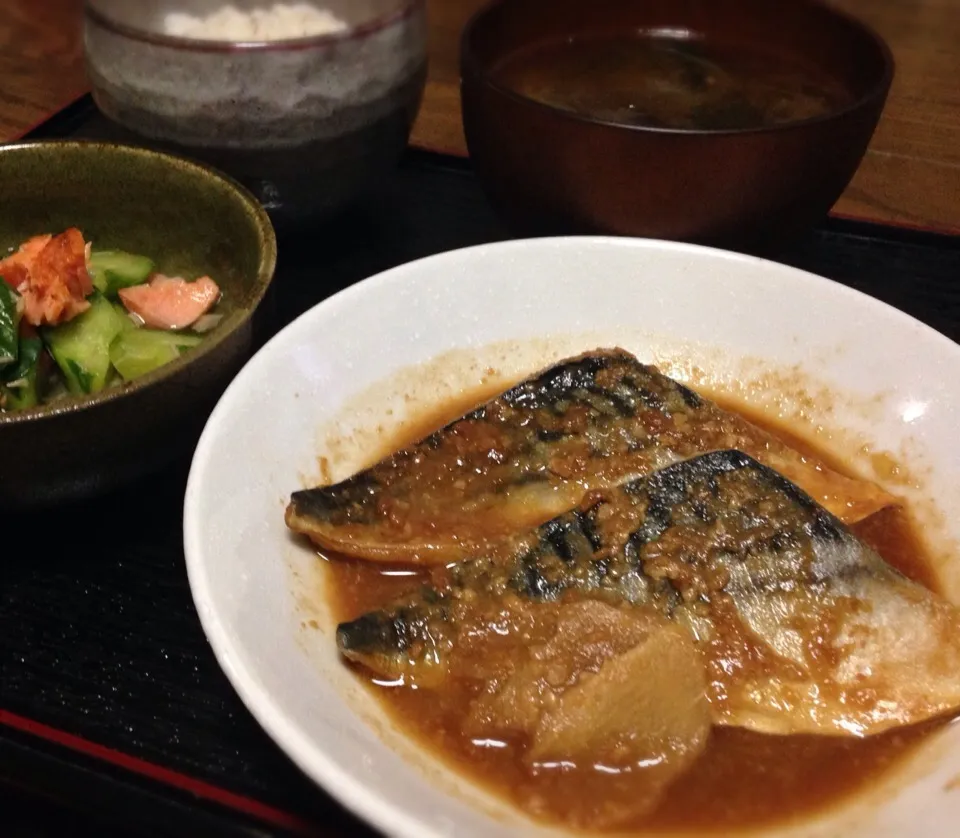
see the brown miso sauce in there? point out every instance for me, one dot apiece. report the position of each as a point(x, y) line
point(670, 82)
point(742, 780)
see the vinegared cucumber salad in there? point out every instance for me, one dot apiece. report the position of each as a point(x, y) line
point(75, 320)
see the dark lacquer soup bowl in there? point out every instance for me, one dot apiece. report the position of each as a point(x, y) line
point(109, 396)
point(733, 123)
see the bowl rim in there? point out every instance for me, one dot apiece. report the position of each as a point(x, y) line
point(177, 42)
point(877, 93)
point(265, 274)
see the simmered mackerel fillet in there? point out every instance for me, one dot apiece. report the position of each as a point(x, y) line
point(533, 452)
point(804, 629)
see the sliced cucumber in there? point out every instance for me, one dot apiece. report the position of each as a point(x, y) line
point(9, 324)
point(22, 388)
point(139, 351)
point(81, 347)
point(128, 322)
point(112, 270)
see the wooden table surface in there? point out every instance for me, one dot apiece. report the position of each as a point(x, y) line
point(910, 175)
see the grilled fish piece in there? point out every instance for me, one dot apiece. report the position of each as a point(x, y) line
point(804, 628)
point(533, 452)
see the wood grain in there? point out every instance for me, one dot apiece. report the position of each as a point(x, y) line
point(41, 61)
point(910, 175)
point(911, 172)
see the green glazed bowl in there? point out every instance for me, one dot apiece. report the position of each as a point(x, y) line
point(190, 220)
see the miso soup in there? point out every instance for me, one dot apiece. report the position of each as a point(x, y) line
point(671, 83)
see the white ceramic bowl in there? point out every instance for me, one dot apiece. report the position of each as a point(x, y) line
point(849, 368)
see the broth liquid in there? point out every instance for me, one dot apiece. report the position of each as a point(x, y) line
point(742, 780)
point(670, 83)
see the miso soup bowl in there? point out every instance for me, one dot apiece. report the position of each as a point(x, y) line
point(548, 171)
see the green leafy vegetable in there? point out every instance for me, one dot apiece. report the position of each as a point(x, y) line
point(21, 389)
point(9, 324)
